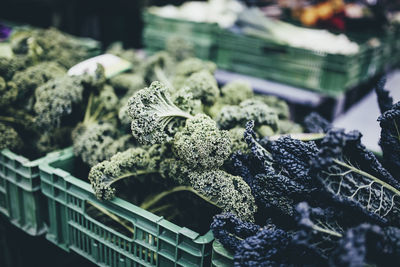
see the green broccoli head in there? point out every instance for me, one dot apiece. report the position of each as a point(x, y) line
point(179, 48)
point(32, 77)
point(154, 114)
point(9, 138)
point(201, 144)
point(251, 109)
point(203, 86)
point(235, 92)
point(97, 142)
point(132, 162)
point(189, 66)
point(8, 93)
point(230, 192)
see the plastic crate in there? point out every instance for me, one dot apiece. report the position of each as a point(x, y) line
point(155, 40)
point(155, 242)
point(20, 198)
point(221, 257)
point(327, 73)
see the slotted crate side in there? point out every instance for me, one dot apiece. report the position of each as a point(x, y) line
point(205, 47)
point(221, 257)
point(155, 241)
point(20, 198)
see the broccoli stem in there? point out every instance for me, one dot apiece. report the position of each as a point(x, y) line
point(162, 77)
point(147, 204)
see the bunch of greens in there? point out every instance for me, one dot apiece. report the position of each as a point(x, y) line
point(325, 202)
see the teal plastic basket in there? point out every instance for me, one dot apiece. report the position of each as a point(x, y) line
point(155, 241)
point(221, 257)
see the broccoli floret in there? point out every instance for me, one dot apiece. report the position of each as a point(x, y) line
point(203, 86)
point(251, 109)
point(9, 138)
point(235, 92)
point(201, 144)
point(8, 93)
point(31, 78)
point(189, 66)
point(230, 192)
point(179, 48)
point(154, 114)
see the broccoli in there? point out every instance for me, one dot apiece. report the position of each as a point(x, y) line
point(233, 116)
point(179, 48)
point(32, 77)
point(189, 66)
point(203, 86)
point(154, 114)
point(9, 138)
point(201, 144)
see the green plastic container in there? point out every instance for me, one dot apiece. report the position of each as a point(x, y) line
point(158, 29)
point(221, 257)
point(155, 242)
point(20, 198)
point(327, 73)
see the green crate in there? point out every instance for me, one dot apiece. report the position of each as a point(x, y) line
point(156, 242)
point(221, 257)
point(20, 198)
point(155, 40)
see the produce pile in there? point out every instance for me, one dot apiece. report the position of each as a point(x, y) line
point(327, 202)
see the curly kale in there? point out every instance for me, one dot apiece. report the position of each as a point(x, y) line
point(390, 139)
point(132, 162)
point(9, 138)
point(154, 114)
point(233, 116)
point(97, 142)
point(31, 78)
point(279, 105)
point(157, 68)
point(184, 99)
point(190, 66)
point(179, 48)
point(350, 173)
point(203, 86)
point(229, 192)
point(201, 144)
point(235, 92)
point(128, 83)
point(314, 123)
point(237, 140)
point(8, 93)
point(9, 66)
point(118, 50)
point(230, 231)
